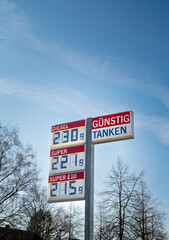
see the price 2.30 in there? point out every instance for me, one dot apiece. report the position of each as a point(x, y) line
point(70, 136)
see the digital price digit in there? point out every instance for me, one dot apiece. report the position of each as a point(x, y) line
point(71, 162)
point(66, 137)
point(72, 187)
point(63, 188)
point(64, 162)
point(74, 135)
point(54, 190)
point(67, 190)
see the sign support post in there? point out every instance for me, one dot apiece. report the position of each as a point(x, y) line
point(71, 169)
point(89, 183)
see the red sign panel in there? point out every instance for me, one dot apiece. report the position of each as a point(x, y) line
point(66, 151)
point(111, 120)
point(66, 177)
point(66, 126)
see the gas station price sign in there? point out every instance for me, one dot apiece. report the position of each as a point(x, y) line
point(113, 127)
point(68, 186)
point(71, 154)
point(71, 168)
point(67, 159)
point(68, 134)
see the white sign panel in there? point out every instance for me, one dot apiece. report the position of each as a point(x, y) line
point(112, 127)
point(67, 159)
point(66, 187)
point(68, 134)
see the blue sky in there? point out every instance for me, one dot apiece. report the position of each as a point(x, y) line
point(62, 61)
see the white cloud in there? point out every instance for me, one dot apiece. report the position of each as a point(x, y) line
point(159, 126)
point(13, 20)
point(160, 92)
point(57, 98)
point(70, 101)
point(18, 25)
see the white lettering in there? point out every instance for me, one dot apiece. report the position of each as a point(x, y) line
point(63, 127)
point(126, 118)
point(101, 122)
point(58, 152)
point(56, 128)
point(118, 121)
point(107, 122)
point(95, 124)
point(113, 121)
point(71, 176)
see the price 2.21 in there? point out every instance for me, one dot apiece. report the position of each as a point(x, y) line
point(71, 162)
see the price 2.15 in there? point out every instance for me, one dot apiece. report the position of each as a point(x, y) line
point(63, 189)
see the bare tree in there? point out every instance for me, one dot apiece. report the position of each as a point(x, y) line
point(34, 201)
point(127, 210)
point(18, 171)
point(42, 224)
point(147, 220)
point(73, 222)
point(103, 225)
point(118, 199)
point(41, 217)
point(58, 222)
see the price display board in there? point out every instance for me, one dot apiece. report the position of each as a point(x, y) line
point(66, 187)
point(114, 127)
point(68, 134)
point(67, 159)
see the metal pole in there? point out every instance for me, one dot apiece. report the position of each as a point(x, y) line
point(89, 183)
